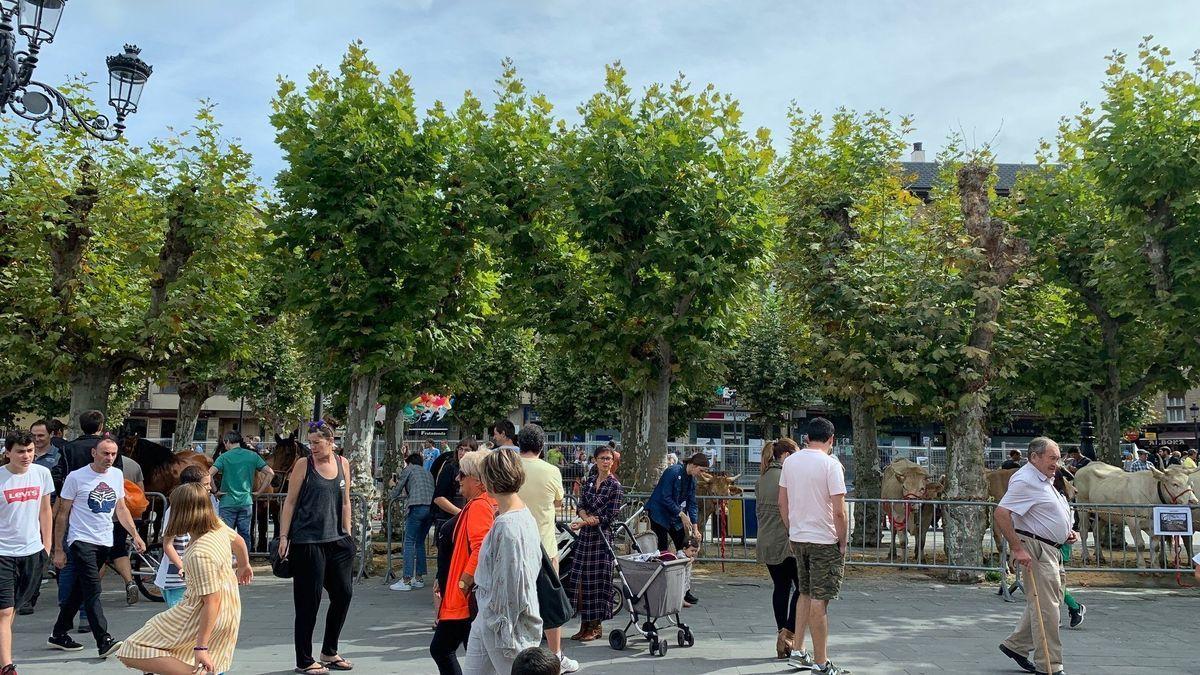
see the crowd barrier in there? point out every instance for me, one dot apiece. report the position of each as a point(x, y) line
point(730, 528)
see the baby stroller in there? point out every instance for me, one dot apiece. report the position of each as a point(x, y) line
point(652, 591)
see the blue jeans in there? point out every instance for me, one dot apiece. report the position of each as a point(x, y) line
point(416, 528)
point(238, 519)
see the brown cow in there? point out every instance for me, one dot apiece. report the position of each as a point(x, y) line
point(714, 486)
point(904, 479)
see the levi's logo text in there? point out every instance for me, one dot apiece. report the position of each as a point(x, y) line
point(102, 499)
point(25, 494)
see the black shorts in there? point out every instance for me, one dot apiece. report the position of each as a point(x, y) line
point(120, 545)
point(20, 578)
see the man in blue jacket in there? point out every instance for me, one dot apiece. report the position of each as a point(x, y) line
point(672, 506)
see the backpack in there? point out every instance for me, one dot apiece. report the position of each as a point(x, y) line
point(135, 499)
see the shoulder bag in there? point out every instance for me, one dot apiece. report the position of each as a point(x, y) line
point(281, 566)
point(555, 606)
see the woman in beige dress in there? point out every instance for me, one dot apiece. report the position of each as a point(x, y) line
point(200, 632)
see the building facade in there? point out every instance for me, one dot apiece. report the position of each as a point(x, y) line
point(154, 415)
point(1174, 421)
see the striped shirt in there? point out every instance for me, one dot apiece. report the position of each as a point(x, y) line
point(168, 574)
point(173, 632)
point(417, 483)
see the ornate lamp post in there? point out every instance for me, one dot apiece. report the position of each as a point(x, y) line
point(37, 21)
point(1087, 436)
point(1195, 410)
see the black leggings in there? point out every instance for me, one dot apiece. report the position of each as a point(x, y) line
point(678, 537)
point(449, 635)
point(326, 566)
point(786, 593)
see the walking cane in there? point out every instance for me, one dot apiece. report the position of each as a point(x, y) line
point(1037, 603)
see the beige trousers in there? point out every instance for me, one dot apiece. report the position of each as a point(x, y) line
point(1047, 564)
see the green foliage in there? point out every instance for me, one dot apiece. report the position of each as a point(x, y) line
point(1113, 218)
point(115, 256)
point(665, 221)
point(855, 260)
point(500, 369)
point(570, 393)
point(765, 366)
point(274, 377)
point(378, 251)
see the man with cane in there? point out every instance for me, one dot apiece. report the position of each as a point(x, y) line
point(1035, 520)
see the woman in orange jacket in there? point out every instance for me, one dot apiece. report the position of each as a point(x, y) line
point(471, 525)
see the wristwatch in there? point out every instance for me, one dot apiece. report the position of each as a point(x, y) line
point(462, 584)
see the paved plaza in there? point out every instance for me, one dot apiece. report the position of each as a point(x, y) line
point(910, 624)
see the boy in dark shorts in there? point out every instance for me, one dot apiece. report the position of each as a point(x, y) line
point(25, 534)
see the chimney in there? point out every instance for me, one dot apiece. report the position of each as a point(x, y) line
point(918, 153)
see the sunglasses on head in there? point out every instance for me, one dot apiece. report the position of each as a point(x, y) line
point(313, 426)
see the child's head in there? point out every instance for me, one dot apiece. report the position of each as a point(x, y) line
point(536, 661)
point(692, 548)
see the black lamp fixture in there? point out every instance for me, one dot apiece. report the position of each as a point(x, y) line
point(37, 21)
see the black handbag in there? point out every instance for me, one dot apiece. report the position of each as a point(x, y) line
point(556, 609)
point(280, 567)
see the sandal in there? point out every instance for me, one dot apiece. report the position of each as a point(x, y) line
point(314, 669)
point(337, 663)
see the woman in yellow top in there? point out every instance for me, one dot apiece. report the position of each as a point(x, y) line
point(200, 632)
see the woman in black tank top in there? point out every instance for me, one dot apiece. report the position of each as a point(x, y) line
point(316, 539)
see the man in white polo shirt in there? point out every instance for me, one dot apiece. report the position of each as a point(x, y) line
point(812, 504)
point(84, 530)
point(1035, 520)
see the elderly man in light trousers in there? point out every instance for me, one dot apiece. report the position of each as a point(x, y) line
point(1035, 520)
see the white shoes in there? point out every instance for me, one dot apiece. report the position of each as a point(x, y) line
point(567, 665)
point(401, 585)
point(417, 583)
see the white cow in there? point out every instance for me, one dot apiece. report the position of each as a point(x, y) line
point(1100, 483)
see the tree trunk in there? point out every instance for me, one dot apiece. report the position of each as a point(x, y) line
point(966, 428)
point(1108, 431)
point(90, 387)
point(966, 438)
point(867, 478)
point(192, 396)
point(393, 462)
point(644, 432)
point(358, 445)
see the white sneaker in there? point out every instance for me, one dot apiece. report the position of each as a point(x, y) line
point(567, 665)
point(401, 585)
point(417, 583)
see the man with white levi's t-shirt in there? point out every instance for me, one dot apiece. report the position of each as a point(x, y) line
point(812, 504)
point(25, 534)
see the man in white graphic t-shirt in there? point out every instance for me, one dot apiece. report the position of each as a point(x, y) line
point(25, 533)
point(812, 503)
point(83, 530)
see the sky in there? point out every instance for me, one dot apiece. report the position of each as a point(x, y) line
point(1001, 74)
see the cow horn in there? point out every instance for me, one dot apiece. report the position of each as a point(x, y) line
point(733, 479)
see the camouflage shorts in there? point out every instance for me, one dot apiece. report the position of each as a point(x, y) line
point(821, 569)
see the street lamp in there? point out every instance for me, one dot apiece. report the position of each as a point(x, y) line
point(1087, 436)
point(1195, 410)
point(37, 21)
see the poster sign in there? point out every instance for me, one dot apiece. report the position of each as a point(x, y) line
point(756, 446)
point(1173, 521)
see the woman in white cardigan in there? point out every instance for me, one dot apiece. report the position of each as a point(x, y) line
point(510, 559)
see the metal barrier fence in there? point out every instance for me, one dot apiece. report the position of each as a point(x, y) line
point(264, 526)
point(729, 525)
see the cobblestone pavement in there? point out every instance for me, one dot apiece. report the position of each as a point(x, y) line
point(879, 626)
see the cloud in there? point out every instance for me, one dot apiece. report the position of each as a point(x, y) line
point(1004, 73)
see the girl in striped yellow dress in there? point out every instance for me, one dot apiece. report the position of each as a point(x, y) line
point(200, 632)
